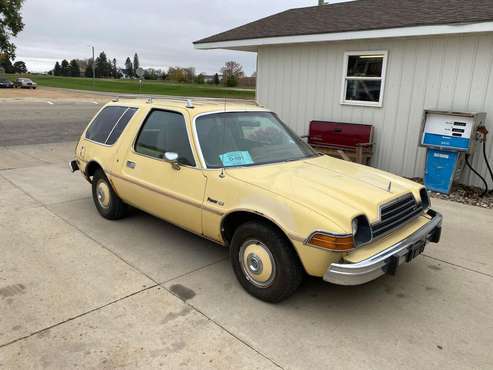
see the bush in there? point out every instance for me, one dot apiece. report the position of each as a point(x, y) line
point(200, 79)
point(232, 81)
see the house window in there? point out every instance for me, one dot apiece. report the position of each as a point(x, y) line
point(364, 78)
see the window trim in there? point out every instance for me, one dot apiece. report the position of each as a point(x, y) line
point(114, 126)
point(134, 144)
point(345, 78)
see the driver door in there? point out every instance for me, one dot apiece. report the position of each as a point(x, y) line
point(152, 184)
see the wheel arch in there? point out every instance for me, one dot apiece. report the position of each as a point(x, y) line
point(91, 168)
point(234, 219)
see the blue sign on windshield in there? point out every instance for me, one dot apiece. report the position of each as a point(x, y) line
point(236, 159)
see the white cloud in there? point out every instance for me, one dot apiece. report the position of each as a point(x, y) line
point(161, 32)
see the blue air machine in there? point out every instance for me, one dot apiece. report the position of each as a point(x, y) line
point(450, 138)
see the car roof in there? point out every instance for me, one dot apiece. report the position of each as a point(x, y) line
point(198, 106)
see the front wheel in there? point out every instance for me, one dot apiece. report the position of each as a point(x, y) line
point(264, 262)
point(108, 204)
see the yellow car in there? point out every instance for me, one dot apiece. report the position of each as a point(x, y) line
point(236, 175)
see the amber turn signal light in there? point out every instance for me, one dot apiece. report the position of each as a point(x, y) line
point(332, 243)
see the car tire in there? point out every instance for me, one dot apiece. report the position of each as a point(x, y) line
point(265, 262)
point(108, 204)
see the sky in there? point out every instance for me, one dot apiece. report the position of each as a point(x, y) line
point(161, 32)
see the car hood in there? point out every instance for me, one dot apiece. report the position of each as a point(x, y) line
point(336, 189)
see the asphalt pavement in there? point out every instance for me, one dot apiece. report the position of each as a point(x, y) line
point(24, 122)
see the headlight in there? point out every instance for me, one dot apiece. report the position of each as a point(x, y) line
point(362, 233)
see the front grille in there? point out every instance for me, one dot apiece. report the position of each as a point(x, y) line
point(395, 214)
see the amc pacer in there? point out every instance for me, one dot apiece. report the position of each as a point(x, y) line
point(236, 175)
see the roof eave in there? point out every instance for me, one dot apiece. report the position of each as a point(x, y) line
point(417, 31)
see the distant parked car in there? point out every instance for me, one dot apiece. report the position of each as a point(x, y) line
point(6, 84)
point(25, 83)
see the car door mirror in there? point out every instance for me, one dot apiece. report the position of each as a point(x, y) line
point(172, 158)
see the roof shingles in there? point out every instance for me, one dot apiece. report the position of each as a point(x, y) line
point(360, 15)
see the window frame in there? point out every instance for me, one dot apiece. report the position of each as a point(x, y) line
point(345, 78)
point(114, 125)
point(192, 149)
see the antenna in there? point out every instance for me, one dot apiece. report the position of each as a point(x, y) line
point(225, 103)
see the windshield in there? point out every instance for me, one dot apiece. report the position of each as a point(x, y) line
point(235, 139)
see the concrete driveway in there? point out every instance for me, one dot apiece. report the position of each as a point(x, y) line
point(77, 291)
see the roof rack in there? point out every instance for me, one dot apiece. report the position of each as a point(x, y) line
point(186, 100)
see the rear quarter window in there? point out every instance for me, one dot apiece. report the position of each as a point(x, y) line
point(108, 125)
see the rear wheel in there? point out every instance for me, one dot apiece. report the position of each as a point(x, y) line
point(264, 262)
point(108, 204)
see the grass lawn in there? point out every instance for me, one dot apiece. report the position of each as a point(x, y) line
point(132, 87)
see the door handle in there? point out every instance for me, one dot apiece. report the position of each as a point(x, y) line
point(131, 164)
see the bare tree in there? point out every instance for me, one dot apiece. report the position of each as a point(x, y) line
point(232, 72)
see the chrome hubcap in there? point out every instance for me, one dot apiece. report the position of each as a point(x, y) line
point(103, 194)
point(254, 264)
point(257, 263)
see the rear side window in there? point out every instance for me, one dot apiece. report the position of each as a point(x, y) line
point(109, 120)
point(120, 126)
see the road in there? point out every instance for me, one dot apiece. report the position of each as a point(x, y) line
point(78, 291)
point(24, 122)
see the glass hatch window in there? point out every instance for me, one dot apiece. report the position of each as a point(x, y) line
point(109, 124)
point(237, 139)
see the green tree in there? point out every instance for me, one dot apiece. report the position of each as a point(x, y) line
point(103, 66)
point(10, 25)
point(114, 69)
point(136, 64)
point(217, 81)
point(65, 68)
point(88, 71)
point(57, 70)
point(6, 64)
point(74, 68)
point(20, 67)
point(129, 69)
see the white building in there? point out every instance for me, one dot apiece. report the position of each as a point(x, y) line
point(380, 62)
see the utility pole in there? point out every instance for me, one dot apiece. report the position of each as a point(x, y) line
point(93, 69)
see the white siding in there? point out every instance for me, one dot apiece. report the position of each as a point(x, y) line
point(303, 82)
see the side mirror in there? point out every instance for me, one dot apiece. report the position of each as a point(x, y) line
point(172, 158)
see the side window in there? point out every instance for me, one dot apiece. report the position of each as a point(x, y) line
point(162, 132)
point(104, 123)
point(120, 125)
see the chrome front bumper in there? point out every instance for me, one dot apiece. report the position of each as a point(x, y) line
point(386, 261)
